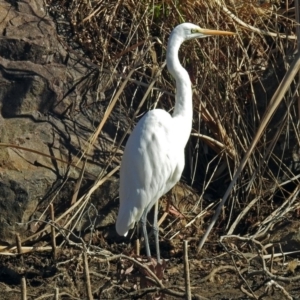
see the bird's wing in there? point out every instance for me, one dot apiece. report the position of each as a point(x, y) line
point(151, 165)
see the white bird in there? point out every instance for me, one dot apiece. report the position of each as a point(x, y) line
point(153, 158)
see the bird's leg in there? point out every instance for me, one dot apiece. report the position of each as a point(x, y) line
point(143, 221)
point(156, 231)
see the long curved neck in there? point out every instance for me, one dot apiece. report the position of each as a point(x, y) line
point(183, 109)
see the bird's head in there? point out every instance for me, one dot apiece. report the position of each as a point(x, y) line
point(180, 34)
point(188, 31)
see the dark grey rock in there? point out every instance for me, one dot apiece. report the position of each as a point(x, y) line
point(46, 109)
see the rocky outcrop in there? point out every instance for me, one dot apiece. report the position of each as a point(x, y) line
point(41, 109)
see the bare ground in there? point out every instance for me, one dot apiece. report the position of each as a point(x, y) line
point(237, 268)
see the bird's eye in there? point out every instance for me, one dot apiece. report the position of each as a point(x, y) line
point(194, 31)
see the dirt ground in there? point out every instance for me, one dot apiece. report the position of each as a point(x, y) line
point(220, 271)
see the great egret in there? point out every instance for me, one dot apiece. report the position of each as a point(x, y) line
point(153, 158)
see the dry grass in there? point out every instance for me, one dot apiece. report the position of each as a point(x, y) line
point(234, 79)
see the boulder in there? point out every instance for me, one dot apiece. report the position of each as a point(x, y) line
point(41, 117)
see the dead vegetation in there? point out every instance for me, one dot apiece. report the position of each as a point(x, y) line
point(124, 42)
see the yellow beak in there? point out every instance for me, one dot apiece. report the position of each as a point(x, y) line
point(215, 32)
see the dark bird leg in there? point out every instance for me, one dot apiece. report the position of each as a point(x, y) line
point(143, 222)
point(156, 232)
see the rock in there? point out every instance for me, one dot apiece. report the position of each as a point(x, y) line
point(17, 202)
point(41, 117)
